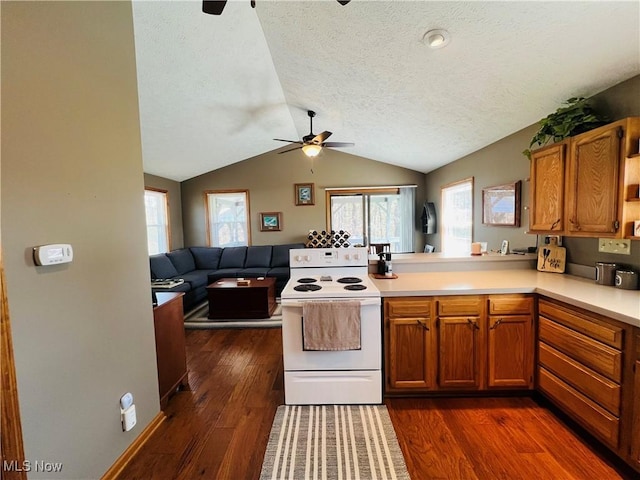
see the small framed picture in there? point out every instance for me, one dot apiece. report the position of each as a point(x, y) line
point(304, 194)
point(270, 221)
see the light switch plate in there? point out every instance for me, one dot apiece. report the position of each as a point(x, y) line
point(614, 245)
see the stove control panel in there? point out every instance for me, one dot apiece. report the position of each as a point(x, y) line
point(328, 257)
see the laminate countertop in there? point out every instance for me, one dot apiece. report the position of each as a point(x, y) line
point(616, 303)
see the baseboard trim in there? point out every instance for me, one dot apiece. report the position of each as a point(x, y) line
point(136, 445)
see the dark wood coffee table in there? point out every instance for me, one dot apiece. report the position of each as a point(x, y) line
point(227, 299)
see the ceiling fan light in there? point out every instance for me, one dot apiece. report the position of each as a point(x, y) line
point(311, 150)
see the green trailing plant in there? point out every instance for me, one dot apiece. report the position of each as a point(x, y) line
point(575, 117)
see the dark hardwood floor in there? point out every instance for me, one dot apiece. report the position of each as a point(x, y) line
point(219, 429)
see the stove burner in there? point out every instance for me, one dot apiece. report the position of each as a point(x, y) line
point(307, 280)
point(350, 280)
point(308, 287)
point(358, 286)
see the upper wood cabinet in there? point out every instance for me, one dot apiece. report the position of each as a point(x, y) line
point(546, 212)
point(580, 187)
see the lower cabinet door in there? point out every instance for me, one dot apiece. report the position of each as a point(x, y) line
point(410, 362)
point(510, 351)
point(459, 340)
point(635, 427)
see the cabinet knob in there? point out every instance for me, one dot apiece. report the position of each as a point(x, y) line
point(422, 324)
point(496, 324)
point(473, 323)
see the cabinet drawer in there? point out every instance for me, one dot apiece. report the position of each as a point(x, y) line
point(589, 414)
point(453, 306)
point(407, 307)
point(594, 328)
point(595, 386)
point(601, 358)
point(510, 305)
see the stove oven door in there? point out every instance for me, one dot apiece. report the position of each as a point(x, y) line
point(369, 357)
point(332, 377)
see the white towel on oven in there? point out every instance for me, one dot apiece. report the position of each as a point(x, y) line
point(331, 325)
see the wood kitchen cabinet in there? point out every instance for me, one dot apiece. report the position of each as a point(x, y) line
point(409, 337)
point(580, 367)
point(461, 334)
point(635, 425)
point(451, 344)
point(581, 187)
point(511, 341)
point(546, 210)
point(168, 321)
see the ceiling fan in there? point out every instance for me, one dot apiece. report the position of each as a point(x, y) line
point(312, 144)
point(214, 7)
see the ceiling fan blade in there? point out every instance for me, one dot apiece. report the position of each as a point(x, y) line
point(338, 144)
point(290, 150)
point(288, 141)
point(343, 2)
point(213, 7)
point(321, 137)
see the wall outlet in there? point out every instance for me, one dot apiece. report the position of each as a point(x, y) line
point(614, 245)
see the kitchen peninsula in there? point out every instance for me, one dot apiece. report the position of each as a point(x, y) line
point(450, 330)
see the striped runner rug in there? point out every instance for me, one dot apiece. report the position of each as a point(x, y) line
point(333, 442)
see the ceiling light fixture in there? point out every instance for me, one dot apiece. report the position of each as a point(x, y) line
point(436, 38)
point(311, 150)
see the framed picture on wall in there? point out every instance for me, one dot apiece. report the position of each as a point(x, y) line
point(501, 205)
point(270, 221)
point(304, 194)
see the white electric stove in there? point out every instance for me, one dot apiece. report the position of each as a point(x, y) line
point(331, 377)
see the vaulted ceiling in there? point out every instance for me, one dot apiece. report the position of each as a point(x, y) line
point(215, 90)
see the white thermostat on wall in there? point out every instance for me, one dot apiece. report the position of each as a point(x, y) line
point(53, 254)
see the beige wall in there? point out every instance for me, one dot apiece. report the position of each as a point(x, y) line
point(174, 197)
point(72, 172)
point(503, 162)
point(270, 179)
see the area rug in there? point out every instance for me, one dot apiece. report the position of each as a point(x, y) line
point(198, 318)
point(333, 442)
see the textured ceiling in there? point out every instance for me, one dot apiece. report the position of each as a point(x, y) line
point(215, 90)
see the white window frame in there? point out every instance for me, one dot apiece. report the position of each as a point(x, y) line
point(157, 221)
point(456, 223)
point(241, 223)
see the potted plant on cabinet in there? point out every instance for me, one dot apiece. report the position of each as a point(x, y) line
point(575, 117)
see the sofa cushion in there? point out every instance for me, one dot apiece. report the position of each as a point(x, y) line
point(223, 273)
point(259, 256)
point(280, 254)
point(206, 258)
point(233, 257)
point(253, 272)
point(161, 266)
point(280, 273)
point(182, 260)
point(197, 278)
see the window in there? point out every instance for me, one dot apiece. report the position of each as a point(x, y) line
point(156, 205)
point(457, 217)
point(374, 215)
point(227, 218)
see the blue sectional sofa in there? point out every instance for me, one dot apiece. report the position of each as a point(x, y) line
point(200, 266)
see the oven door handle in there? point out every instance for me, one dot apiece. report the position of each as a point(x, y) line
point(299, 303)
